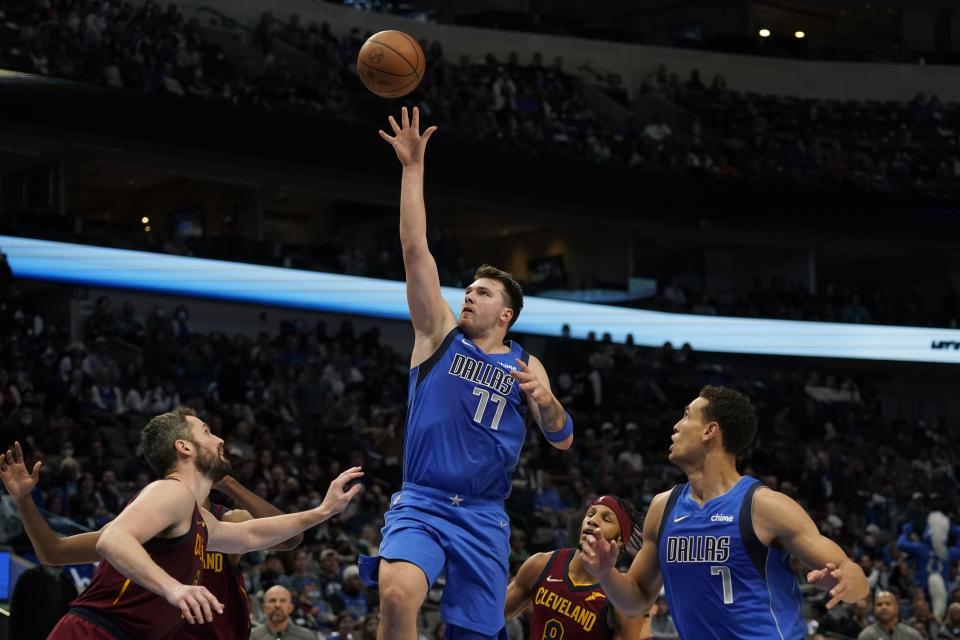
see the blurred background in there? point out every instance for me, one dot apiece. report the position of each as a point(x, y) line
point(790, 160)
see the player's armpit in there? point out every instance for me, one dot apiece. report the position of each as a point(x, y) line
point(163, 507)
point(520, 588)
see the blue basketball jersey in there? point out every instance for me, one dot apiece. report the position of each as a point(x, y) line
point(466, 419)
point(721, 582)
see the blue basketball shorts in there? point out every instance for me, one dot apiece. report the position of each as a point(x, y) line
point(464, 536)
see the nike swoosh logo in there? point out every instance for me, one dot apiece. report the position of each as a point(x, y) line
point(549, 579)
point(681, 518)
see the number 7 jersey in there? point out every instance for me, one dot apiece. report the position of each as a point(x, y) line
point(466, 419)
point(721, 582)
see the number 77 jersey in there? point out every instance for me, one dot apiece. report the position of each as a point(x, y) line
point(466, 419)
point(721, 582)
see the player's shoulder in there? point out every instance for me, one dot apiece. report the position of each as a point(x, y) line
point(531, 571)
point(166, 489)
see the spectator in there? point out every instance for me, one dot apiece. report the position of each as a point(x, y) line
point(888, 626)
point(662, 624)
point(277, 606)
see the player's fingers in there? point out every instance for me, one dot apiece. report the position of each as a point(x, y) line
point(834, 601)
point(405, 117)
point(205, 608)
point(354, 490)
point(35, 474)
point(523, 365)
point(386, 136)
point(17, 451)
point(215, 604)
point(429, 132)
point(394, 125)
point(185, 611)
point(415, 120)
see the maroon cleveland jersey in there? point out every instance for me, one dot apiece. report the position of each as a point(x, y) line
point(135, 611)
point(225, 581)
point(564, 610)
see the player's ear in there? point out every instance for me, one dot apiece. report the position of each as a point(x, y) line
point(506, 315)
point(711, 431)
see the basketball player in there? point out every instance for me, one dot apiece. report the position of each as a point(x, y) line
point(154, 550)
point(720, 542)
point(567, 601)
point(221, 574)
point(469, 394)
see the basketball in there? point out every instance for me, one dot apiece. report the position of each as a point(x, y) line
point(391, 64)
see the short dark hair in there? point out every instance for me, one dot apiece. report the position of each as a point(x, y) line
point(514, 293)
point(735, 414)
point(158, 437)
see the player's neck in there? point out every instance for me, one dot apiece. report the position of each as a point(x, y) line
point(579, 575)
point(713, 478)
point(199, 483)
point(490, 343)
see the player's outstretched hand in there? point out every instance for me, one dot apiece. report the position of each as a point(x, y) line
point(531, 385)
point(196, 603)
point(833, 581)
point(13, 472)
point(407, 141)
point(337, 498)
point(599, 555)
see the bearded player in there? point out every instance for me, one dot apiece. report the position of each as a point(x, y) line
point(221, 572)
point(154, 551)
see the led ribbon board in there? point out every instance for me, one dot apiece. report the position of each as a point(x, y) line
point(275, 286)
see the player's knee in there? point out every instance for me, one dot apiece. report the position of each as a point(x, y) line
point(397, 601)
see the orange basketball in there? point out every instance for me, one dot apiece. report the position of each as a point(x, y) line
point(391, 64)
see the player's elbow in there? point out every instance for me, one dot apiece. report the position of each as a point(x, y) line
point(106, 543)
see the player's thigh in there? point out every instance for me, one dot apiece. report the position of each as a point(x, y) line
point(403, 584)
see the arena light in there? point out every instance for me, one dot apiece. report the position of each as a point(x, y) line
point(799, 35)
point(145, 220)
point(326, 292)
point(765, 33)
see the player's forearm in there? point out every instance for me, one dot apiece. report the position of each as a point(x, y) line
point(625, 594)
point(257, 506)
point(413, 210)
point(127, 555)
point(266, 533)
point(553, 416)
point(50, 548)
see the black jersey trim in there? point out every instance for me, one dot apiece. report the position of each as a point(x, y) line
point(98, 619)
point(524, 356)
point(668, 508)
point(755, 549)
point(427, 365)
point(546, 569)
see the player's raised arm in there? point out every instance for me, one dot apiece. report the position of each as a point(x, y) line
point(545, 409)
point(430, 314)
point(50, 548)
point(779, 518)
point(163, 507)
point(263, 533)
point(256, 506)
point(633, 592)
point(520, 588)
